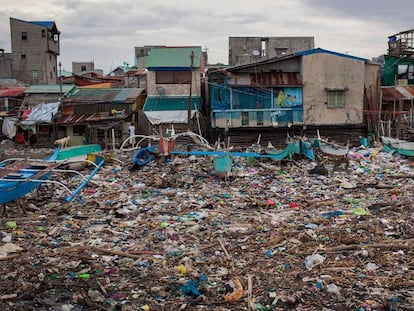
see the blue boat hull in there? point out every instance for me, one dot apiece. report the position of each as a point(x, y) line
point(143, 156)
point(19, 184)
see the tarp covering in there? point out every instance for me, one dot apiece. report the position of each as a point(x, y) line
point(9, 128)
point(42, 113)
point(170, 116)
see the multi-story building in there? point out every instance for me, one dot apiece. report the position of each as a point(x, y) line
point(245, 50)
point(35, 49)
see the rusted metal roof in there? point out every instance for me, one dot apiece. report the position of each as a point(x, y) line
point(12, 91)
point(391, 93)
point(275, 78)
point(86, 118)
point(96, 95)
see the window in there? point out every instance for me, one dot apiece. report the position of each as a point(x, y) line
point(79, 130)
point(43, 33)
point(24, 35)
point(281, 51)
point(51, 75)
point(23, 56)
point(336, 98)
point(34, 74)
point(83, 68)
point(405, 72)
point(173, 77)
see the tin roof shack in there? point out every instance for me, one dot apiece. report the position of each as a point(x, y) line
point(311, 88)
point(41, 131)
point(174, 79)
point(397, 77)
point(99, 115)
point(10, 100)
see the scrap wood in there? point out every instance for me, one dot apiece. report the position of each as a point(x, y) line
point(118, 253)
point(224, 249)
point(10, 296)
point(340, 248)
point(9, 257)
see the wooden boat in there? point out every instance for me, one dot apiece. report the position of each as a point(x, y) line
point(80, 151)
point(331, 148)
point(21, 177)
point(142, 157)
point(18, 177)
point(402, 147)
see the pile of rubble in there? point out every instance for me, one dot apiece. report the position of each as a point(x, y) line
point(172, 236)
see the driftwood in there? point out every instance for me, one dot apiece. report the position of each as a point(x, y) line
point(343, 248)
point(118, 253)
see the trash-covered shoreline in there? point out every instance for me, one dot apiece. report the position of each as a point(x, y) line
point(173, 236)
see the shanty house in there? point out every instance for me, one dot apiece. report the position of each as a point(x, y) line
point(99, 115)
point(312, 88)
point(397, 97)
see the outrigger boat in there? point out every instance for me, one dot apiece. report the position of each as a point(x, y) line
point(19, 176)
point(78, 151)
point(400, 146)
point(331, 148)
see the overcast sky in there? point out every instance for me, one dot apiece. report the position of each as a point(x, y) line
point(106, 31)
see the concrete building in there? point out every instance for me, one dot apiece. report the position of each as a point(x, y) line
point(245, 50)
point(35, 49)
point(82, 67)
point(5, 65)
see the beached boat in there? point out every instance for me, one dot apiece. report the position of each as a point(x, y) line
point(80, 151)
point(402, 147)
point(331, 148)
point(21, 177)
point(142, 157)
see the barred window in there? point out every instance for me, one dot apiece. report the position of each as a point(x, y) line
point(336, 98)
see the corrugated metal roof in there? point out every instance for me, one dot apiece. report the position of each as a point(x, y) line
point(290, 56)
point(49, 88)
point(166, 103)
point(104, 95)
point(391, 93)
point(168, 57)
point(13, 91)
point(86, 118)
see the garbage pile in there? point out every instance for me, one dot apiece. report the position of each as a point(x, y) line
point(173, 236)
